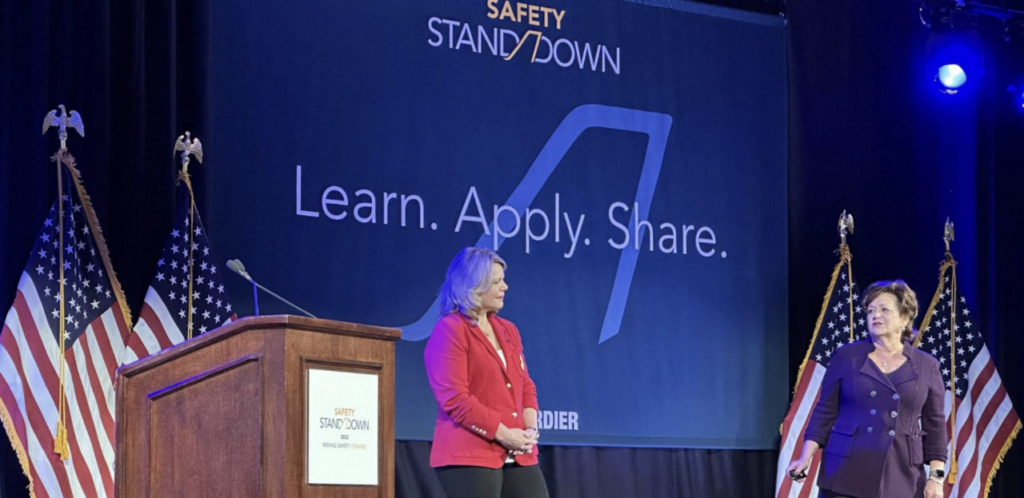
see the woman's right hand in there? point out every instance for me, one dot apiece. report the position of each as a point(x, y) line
point(515, 439)
point(798, 467)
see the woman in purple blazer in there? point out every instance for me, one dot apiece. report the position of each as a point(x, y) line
point(880, 413)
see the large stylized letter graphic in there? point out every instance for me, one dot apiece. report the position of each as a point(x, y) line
point(655, 125)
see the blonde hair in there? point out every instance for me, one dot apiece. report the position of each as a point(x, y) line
point(906, 301)
point(469, 276)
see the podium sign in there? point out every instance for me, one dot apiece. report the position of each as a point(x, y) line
point(342, 427)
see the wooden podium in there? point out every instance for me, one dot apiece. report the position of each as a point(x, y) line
point(227, 414)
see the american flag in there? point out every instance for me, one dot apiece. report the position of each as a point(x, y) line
point(986, 422)
point(840, 311)
point(96, 326)
point(163, 321)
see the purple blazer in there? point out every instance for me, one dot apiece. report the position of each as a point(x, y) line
point(868, 424)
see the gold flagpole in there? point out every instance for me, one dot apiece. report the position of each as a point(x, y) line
point(60, 441)
point(188, 145)
point(948, 265)
point(846, 227)
point(62, 158)
point(948, 235)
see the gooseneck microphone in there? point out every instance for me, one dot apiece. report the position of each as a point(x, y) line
point(237, 267)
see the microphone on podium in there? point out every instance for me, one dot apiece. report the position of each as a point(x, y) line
point(236, 266)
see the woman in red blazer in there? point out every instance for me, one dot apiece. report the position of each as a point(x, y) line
point(486, 432)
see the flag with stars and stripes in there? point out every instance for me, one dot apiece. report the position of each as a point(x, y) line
point(840, 312)
point(164, 319)
point(40, 384)
point(986, 422)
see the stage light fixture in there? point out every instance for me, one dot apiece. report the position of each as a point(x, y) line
point(948, 15)
point(950, 78)
point(960, 31)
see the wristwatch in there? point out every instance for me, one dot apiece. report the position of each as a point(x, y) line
point(937, 474)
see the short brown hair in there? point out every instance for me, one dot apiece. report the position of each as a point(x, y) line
point(906, 300)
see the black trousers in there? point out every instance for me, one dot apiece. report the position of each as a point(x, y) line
point(510, 481)
point(828, 494)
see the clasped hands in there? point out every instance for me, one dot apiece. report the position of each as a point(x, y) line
point(517, 441)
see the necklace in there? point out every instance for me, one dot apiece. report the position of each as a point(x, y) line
point(488, 332)
point(885, 360)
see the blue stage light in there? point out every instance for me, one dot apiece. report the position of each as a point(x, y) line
point(950, 78)
point(955, 62)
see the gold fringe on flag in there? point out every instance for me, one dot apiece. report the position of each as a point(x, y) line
point(64, 159)
point(19, 450)
point(926, 321)
point(999, 460)
point(845, 258)
point(97, 235)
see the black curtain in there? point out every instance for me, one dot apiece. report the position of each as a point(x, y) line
point(863, 137)
point(138, 72)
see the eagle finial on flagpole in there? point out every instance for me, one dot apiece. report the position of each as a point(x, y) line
point(948, 235)
point(188, 146)
point(845, 226)
point(62, 122)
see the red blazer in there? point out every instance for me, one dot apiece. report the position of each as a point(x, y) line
point(475, 393)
